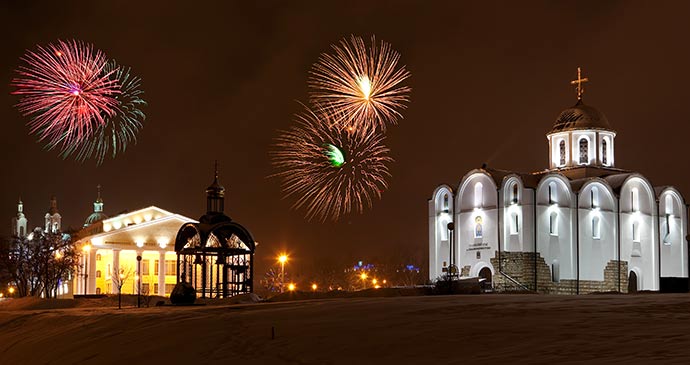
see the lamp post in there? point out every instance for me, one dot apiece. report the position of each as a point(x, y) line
point(86, 249)
point(139, 280)
point(282, 259)
point(363, 276)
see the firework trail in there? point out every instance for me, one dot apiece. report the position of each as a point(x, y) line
point(360, 86)
point(65, 92)
point(330, 169)
point(119, 129)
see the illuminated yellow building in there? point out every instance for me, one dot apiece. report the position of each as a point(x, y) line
point(111, 247)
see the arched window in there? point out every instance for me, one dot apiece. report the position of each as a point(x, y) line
point(98, 273)
point(594, 197)
point(584, 149)
point(21, 232)
point(553, 193)
point(596, 231)
point(98, 257)
point(98, 290)
point(478, 229)
point(604, 152)
point(561, 147)
point(514, 223)
point(553, 224)
point(445, 203)
point(669, 204)
point(478, 195)
point(636, 231)
point(555, 271)
point(514, 194)
point(634, 200)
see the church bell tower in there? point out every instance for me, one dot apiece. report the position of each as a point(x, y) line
point(19, 222)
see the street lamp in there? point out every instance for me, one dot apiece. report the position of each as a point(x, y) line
point(138, 281)
point(282, 259)
point(313, 287)
point(11, 290)
point(86, 250)
point(363, 276)
point(291, 287)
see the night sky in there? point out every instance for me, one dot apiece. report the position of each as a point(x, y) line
point(488, 82)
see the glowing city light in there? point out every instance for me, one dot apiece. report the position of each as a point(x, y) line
point(363, 276)
point(86, 248)
point(313, 287)
point(292, 287)
point(282, 258)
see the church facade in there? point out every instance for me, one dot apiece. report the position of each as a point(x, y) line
point(582, 225)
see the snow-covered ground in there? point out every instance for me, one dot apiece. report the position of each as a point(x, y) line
point(401, 330)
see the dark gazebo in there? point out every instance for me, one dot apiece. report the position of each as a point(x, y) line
point(215, 255)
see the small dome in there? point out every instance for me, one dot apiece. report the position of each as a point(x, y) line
point(94, 217)
point(580, 116)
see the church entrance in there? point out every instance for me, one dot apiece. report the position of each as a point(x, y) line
point(632, 282)
point(485, 279)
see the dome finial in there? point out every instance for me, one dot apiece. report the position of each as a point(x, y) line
point(215, 167)
point(579, 82)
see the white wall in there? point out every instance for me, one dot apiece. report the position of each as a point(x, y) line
point(468, 208)
point(674, 254)
point(438, 233)
point(595, 253)
point(560, 246)
point(642, 256)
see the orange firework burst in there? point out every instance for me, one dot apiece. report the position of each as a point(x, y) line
point(360, 86)
point(332, 170)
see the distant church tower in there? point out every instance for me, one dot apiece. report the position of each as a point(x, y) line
point(97, 214)
point(53, 218)
point(19, 223)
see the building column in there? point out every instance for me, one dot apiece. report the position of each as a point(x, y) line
point(115, 268)
point(161, 273)
point(91, 279)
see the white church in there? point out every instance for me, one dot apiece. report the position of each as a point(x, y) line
point(581, 226)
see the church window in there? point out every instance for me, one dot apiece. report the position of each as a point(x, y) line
point(552, 193)
point(98, 290)
point(514, 194)
point(604, 152)
point(561, 147)
point(478, 196)
point(634, 200)
point(145, 270)
point(584, 148)
point(479, 255)
point(594, 195)
point(98, 273)
point(514, 224)
point(98, 257)
point(21, 231)
point(669, 204)
point(555, 271)
point(553, 224)
point(55, 227)
point(596, 229)
point(478, 229)
point(445, 203)
point(636, 232)
point(667, 236)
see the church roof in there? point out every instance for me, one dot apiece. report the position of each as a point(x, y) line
point(580, 116)
point(94, 217)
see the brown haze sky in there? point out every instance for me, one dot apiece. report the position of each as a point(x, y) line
point(488, 79)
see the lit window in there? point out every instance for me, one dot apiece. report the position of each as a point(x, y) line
point(634, 200)
point(584, 148)
point(98, 257)
point(553, 198)
point(596, 232)
point(514, 224)
point(604, 151)
point(478, 195)
point(553, 224)
point(561, 147)
point(445, 203)
point(636, 232)
point(514, 194)
point(98, 273)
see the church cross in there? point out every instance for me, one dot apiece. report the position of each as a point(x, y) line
point(579, 82)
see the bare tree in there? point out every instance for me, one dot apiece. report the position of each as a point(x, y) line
point(38, 263)
point(119, 277)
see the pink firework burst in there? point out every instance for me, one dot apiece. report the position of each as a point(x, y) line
point(65, 92)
